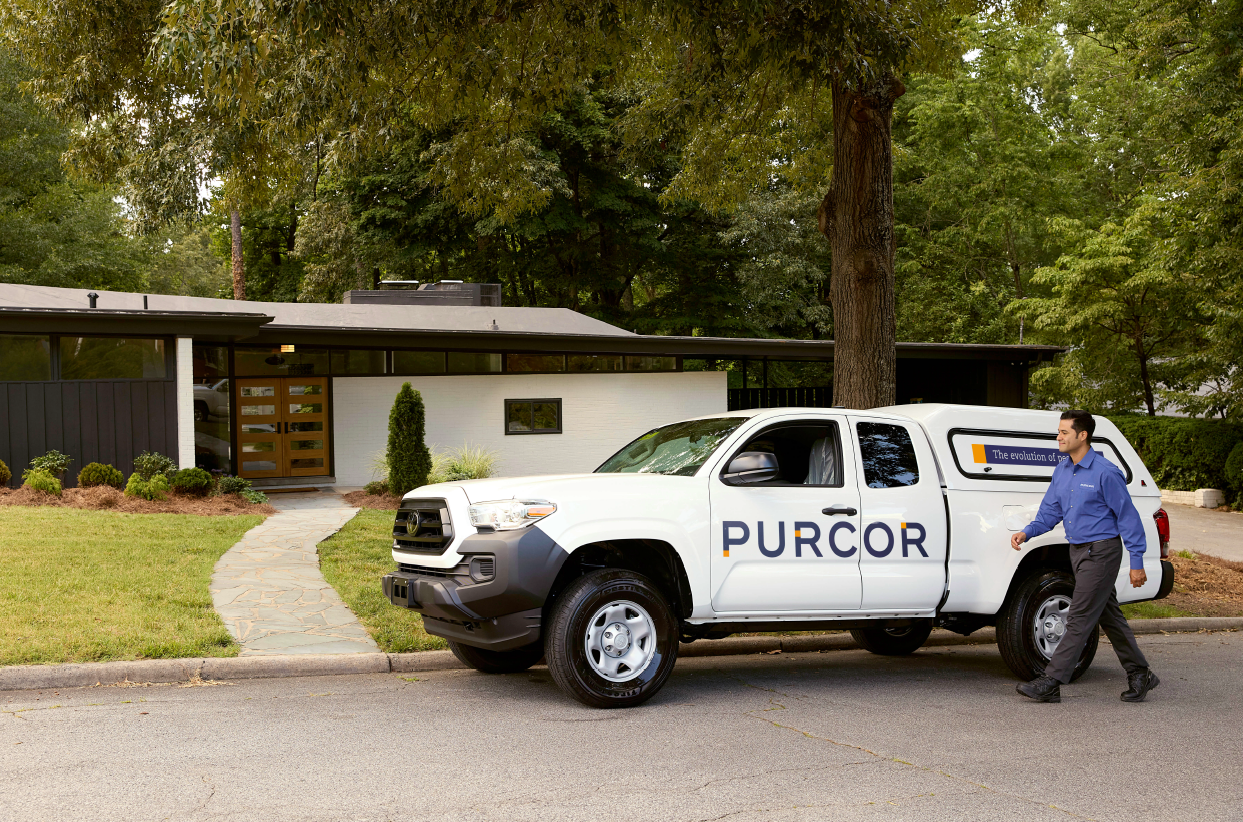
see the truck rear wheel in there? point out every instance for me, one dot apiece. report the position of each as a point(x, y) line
point(612, 639)
point(1032, 622)
point(894, 641)
point(498, 662)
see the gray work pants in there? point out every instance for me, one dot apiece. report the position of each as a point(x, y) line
point(1095, 603)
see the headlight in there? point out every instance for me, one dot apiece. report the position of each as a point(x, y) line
point(510, 514)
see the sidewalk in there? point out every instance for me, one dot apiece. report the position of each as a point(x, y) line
point(269, 590)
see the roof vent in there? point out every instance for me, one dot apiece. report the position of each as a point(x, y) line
point(445, 292)
point(92, 297)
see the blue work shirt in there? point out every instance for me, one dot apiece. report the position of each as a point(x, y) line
point(1092, 500)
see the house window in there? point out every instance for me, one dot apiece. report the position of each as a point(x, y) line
point(357, 362)
point(418, 362)
point(276, 361)
point(534, 362)
point(112, 358)
point(25, 357)
point(651, 363)
point(595, 362)
point(467, 362)
point(532, 416)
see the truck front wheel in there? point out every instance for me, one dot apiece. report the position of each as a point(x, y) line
point(894, 641)
point(1032, 622)
point(498, 662)
point(612, 639)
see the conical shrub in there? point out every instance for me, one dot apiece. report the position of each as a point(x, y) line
point(409, 460)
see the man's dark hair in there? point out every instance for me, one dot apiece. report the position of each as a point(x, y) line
point(1081, 421)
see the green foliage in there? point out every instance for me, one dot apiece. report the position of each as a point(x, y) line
point(254, 497)
point(5, 474)
point(1234, 471)
point(462, 464)
point(148, 464)
point(380, 487)
point(1183, 454)
point(154, 488)
point(41, 481)
point(53, 462)
point(193, 482)
point(409, 460)
point(232, 485)
point(96, 473)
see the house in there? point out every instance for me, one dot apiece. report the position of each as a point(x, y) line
point(299, 393)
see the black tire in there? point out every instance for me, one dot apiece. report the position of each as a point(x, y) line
point(580, 614)
point(200, 412)
point(1017, 638)
point(498, 662)
point(894, 641)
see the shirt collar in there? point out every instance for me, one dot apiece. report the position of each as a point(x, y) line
point(1088, 459)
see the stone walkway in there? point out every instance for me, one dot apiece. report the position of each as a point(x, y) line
point(270, 592)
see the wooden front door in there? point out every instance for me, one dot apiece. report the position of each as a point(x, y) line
point(282, 427)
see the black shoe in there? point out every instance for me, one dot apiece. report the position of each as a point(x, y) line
point(1042, 689)
point(1139, 684)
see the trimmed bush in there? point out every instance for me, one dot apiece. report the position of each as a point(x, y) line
point(5, 474)
point(409, 461)
point(1183, 454)
point(194, 482)
point(378, 488)
point(41, 481)
point(232, 485)
point(156, 488)
point(149, 463)
point(96, 473)
point(1234, 471)
point(53, 462)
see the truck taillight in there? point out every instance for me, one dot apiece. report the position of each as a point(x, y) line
point(1163, 531)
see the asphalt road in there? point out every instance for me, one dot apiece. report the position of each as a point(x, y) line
point(1206, 531)
point(836, 735)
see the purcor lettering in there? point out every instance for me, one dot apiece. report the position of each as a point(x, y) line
point(841, 526)
point(802, 538)
point(867, 539)
point(910, 541)
point(727, 541)
point(735, 533)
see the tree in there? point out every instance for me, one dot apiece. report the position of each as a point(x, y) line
point(409, 460)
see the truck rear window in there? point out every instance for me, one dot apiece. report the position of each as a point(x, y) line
point(888, 455)
point(679, 449)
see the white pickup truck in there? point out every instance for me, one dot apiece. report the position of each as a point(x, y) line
point(885, 522)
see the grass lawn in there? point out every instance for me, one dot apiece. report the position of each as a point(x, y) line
point(91, 586)
point(353, 560)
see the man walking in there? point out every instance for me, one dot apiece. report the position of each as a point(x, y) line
point(1089, 495)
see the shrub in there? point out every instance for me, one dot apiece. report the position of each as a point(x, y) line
point(5, 474)
point(1183, 454)
point(1234, 472)
point(254, 497)
point(378, 488)
point(232, 485)
point(462, 464)
point(53, 462)
point(156, 488)
point(409, 461)
point(149, 463)
point(41, 481)
point(194, 482)
point(96, 473)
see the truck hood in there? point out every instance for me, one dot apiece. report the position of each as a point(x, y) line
point(549, 487)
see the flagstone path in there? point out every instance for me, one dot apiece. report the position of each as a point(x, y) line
point(270, 592)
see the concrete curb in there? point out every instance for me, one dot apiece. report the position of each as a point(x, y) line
point(77, 675)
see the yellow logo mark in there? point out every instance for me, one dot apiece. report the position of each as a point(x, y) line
point(977, 451)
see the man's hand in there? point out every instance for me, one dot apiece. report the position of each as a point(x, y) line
point(1138, 577)
point(1017, 540)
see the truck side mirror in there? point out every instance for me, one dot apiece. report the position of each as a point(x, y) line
point(751, 467)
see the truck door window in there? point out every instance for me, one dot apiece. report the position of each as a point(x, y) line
point(888, 455)
point(807, 454)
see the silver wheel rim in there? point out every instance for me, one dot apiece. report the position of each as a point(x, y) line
point(1050, 624)
point(620, 641)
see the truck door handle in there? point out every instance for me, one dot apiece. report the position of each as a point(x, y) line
point(850, 512)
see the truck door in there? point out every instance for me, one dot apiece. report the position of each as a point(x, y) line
point(903, 541)
point(786, 541)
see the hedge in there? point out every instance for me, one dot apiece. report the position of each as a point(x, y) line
point(1183, 454)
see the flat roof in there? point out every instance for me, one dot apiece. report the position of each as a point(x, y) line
point(46, 309)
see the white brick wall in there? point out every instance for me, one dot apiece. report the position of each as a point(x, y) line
point(601, 413)
point(185, 403)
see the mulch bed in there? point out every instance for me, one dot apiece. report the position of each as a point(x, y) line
point(1207, 585)
point(361, 499)
point(105, 498)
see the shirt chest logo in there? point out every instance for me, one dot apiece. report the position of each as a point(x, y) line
point(1086, 485)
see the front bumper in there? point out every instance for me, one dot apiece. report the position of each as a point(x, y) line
point(499, 613)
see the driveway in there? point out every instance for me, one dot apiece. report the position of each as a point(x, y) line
point(838, 735)
point(1206, 531)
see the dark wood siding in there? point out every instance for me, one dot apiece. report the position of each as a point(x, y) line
point(108, 421)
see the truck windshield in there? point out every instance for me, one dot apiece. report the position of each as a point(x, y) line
point(678, 449)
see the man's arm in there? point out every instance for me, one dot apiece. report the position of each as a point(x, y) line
point(1130, 526)
point(1047, 517)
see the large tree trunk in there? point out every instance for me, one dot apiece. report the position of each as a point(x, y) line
point(857, 218)
point(239, 270)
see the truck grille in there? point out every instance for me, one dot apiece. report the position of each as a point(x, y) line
point(423, 527)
